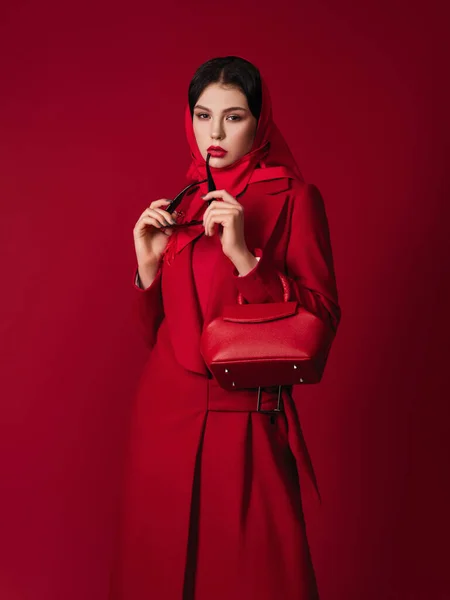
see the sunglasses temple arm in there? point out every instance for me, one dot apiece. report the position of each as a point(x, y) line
point(176, 201)
point(211, 188)
point(211, 184)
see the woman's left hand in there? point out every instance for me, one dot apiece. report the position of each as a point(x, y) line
point(228, 213)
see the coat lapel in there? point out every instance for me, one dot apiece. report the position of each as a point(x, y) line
point(263, 203)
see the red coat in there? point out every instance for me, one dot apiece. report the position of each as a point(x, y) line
point(212, 505)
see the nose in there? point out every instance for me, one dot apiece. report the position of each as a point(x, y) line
point(216, 130)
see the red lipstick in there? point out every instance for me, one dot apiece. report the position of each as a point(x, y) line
point(216, 151)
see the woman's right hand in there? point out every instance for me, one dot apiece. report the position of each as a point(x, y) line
point(150, 239)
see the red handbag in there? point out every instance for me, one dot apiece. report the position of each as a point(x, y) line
point(266, 345)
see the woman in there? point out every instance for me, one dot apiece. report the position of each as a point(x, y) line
point(212, 505)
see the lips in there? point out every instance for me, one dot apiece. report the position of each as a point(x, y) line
point(216, 151)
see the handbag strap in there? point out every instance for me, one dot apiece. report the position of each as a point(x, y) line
point(286, 290)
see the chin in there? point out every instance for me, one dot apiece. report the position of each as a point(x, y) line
point(217, 163)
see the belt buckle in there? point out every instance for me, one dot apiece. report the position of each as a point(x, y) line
point(275, 410)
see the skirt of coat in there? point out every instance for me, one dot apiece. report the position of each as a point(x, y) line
point(212, 507)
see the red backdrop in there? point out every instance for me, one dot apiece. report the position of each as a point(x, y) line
point(90, 95)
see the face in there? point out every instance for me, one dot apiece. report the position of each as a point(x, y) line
point(223, 119)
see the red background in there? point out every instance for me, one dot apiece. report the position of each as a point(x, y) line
point(91, 96)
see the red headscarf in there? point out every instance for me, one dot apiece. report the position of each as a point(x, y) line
point(269, 149)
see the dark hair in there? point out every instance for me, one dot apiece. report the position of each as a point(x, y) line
point(229, 70)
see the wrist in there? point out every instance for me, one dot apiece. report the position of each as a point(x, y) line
point(149, 263)
point(146, 273)
point(244, 262)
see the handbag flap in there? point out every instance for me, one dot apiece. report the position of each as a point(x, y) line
point(258, 313)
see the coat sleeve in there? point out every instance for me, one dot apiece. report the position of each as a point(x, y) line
point(148, 307)
point(309, 263)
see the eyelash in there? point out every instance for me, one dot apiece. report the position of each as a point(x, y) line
point(200, 115)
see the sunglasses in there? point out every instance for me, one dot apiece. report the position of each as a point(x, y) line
point(179, 197)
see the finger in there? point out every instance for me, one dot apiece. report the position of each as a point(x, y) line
point(210, 228)
point(208, 221)
point(169, 218)
point(224, 217)
point(156, 218)
point(220, 213)
point(148, 221)
point(223, 210)
point(220, 194)
point(221, 203)
point(159, 203)
point(153, 206)
point(215, 206)
point(164, 218)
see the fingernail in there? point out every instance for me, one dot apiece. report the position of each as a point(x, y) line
point(203, 197)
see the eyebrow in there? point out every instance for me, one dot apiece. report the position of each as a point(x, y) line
point(232, 108)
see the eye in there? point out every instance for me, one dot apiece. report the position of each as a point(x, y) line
point(234, 117)
point(202, 115)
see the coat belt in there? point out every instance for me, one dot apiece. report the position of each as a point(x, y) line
point(220, 400)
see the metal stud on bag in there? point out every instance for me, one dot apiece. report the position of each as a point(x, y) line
point(301, 379)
